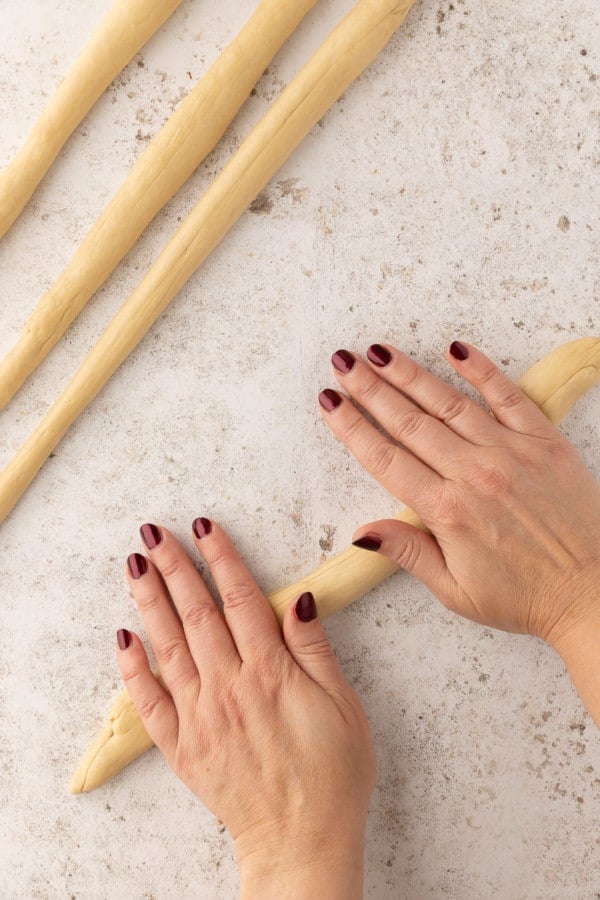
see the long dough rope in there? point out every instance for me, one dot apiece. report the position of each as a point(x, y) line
point(555, 384)
point(341, 58)
point(188, 137)
point(124, 30)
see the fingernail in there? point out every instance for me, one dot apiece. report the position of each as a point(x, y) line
point(151, 536)
point(368, 542)
point(138, 565)
point(306, 608)
point(123, 638)
point(378, 355)
point(201, 527)
point(343, 361)
point(329, 399)
point(459, 351)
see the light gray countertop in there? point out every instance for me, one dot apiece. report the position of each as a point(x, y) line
point(452, 192)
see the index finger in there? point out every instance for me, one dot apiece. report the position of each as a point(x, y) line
point(249, 616)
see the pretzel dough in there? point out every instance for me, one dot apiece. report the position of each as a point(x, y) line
point(555, 384)
point(125, 28)
point(191, 133)
point(340, 59)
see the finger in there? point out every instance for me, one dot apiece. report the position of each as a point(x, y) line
point(509, 404)
point(164, 629)
point(250, 619)
point(401, 473)
point(427, 437)
point(465, 417)
point(154, 705)
point(414, 550)
point(309, 645)
point(205, 629)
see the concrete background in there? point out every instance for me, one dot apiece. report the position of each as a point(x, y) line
point(453, 192)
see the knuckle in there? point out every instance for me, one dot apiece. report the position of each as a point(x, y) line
point(410, 374)
point(406, 424)
point(198, 615)
point(352, 429)
point(380, 459)
point(449, 509)
point(132, 674)
point(369, 388)
point(238, 595)
point(147, 706)
point(509, 398)
point(171, 567)
point(489, 373)
point(318, 648)
point(170, 652)
point(452, 408)
point(488, 478)
point(407, 556)
point(148, 602)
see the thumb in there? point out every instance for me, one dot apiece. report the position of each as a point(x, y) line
point(309, 645)
point(412, 549)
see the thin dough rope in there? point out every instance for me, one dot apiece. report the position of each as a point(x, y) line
point(126, 27)
point(341, 58)
point(555, 383)
point(193, 130)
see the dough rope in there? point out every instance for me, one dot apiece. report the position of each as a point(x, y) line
point(341, 58)
point(127, 26)
point(555, 383)
point(183, 143)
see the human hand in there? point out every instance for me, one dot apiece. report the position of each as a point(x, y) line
point(513, 512)
point(263, 728)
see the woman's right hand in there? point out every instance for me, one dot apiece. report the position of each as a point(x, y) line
point(514, 513)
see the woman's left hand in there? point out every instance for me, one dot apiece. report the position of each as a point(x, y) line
point(263, 727)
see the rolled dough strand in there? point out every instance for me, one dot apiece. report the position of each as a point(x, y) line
point(124, 30)
point(178, 149)
point(341, 58)
point(555, 383)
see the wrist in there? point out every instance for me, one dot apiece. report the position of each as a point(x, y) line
point(303, 864)
point(577, 641)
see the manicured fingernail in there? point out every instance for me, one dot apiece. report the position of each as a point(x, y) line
point(379, 356)
point(201, 527)
point(343, 361)
point(329, 399)
point(151, 536)
point(123, 638)
point(368, 542)
point(306, 608)
point(138, 565)
point(459, 351)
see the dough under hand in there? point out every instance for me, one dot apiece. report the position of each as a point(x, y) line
point(124, 30)
point(341, 58)
point(188, 137)
point(555, 384)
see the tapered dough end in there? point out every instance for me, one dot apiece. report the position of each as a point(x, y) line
point(121, 741)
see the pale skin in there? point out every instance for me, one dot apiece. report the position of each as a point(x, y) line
point(261, 724)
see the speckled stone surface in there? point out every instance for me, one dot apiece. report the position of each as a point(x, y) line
point(452, 192)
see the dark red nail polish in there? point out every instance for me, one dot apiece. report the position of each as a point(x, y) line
point(459, 351)
point(138, 565)
point(368, 542)
point(201, 527)
point(329, 399)
point(151, 536)
point(379, 356)
point(306, 608)
point(123, 638)
point(343, 361)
